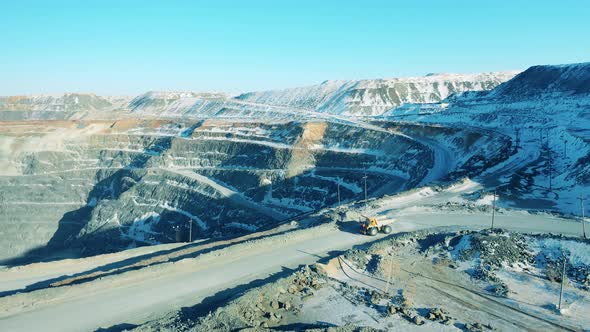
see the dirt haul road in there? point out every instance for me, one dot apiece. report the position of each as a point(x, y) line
point(138, 296)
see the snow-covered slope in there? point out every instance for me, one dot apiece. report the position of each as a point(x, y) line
point(546, 112)
point(66, 102)
point(66, 106)
point(373, 97)
point(207, 105)
point(539, 96)
point(346, 98)
point(177, 103)
point(564, 80)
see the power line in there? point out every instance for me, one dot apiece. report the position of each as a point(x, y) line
point(583, 219)
point(563, 276)
point(550, 170)
point(365, 178)
point(493, 209)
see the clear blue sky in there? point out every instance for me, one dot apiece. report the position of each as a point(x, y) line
point(128, 47)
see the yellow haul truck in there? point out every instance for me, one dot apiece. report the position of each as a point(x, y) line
point(370, 226)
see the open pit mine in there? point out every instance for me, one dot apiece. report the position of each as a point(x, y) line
point(184, 211)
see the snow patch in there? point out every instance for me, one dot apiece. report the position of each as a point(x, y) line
point(142, 227)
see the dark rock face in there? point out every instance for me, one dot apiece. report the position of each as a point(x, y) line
point(539, 80)
point(131, 184)
point(83, 174)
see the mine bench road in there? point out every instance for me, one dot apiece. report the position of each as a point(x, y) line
point(138, 296)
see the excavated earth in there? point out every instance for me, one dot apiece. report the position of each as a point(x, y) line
point(429, 280)
point(85, 187)
point(265, 190)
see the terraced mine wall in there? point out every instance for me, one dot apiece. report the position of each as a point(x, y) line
point(83, 187)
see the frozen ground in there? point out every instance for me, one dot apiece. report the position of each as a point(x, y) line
point(413, 281)
point(137, 292)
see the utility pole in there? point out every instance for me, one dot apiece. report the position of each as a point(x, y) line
point(365, 178)
point(563, 276)
point(583, 219)
point(550, 171)
point(517, 140)
point(190, 230)
point(546, 142)
point(338, 189)
point(565, 148)
point(177, 233)
point(493, 209)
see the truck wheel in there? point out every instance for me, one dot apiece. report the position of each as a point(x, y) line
point(372, 231)
point(386, 229)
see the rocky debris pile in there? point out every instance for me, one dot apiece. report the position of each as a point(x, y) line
point(374, 297)
point(492, 250)
point(551, 260)
point(477, 327)
point(305, 282)
point(406, 312)
point(361, 296)
point(579, 274)
point(434, 314)
point(466, 206)
point(262, 308)
point(270, 310)
point(499, 289)
point(417, 320)
point(553, 270)
point(439, 315)
point(264, 313)
point(345, 328)
point(332, 216)
point(359, 258)
point(355, 295)
point(380, 301)
point(495, 249)
point(498, 247)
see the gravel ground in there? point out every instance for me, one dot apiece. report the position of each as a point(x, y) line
point(332, 296)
